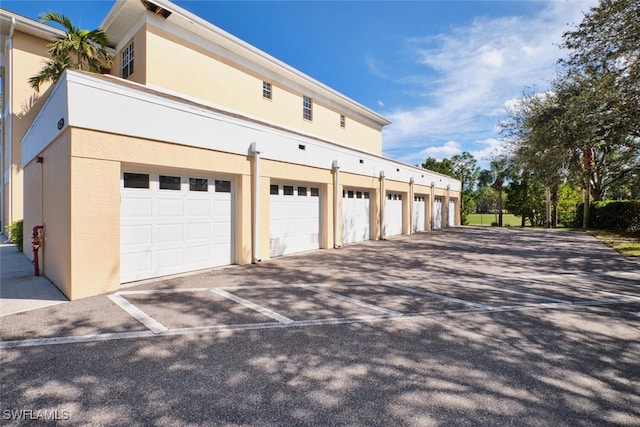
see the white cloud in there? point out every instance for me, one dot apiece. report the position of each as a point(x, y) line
point(490, 148)
point(450, 148)
point(477, 71)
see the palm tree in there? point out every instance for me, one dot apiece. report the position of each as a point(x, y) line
point(78, 49)
point(502, 169)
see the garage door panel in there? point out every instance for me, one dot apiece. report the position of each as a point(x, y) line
point(419, 207)
point(170, 208)
point(198, 231)
point(135, 263)
point(168, 233)
point(174, 231)
point(437, 213)
point(198, 208)
point(199, 254)
point(356, 216)
point(221, 234)
point(294, 220)
point(136, 235)
point(137, 206)
point(451, 213)
point(170, 257)
point(393, 215)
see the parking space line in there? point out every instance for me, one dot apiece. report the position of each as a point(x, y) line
point(353, 301)
point(437, 296)
point(162, 291)
point(527, 294)
point(312, 322)
point(35, 342)
point(148, 321)
point(253, 306)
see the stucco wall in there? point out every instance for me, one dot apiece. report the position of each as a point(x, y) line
point(139, 74)
point(181, 66)
point(48, 203)
point(29, 54)
point(75, 193)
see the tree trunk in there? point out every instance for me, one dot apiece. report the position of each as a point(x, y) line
point(554, 203)
point(500, 208)
point(547, 197)
point(586, 218)
point(588, 164)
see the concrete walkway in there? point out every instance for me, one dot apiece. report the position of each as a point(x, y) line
point(20, 289)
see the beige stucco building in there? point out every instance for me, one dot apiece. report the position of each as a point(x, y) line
point(160, 168)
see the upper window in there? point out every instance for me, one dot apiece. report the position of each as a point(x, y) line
point(223, 186)
point(343, 121)
point(266, 90)
point(307, 105)
point(198, 184)
point(136, 180)
point(127, 61)
point(169, 182)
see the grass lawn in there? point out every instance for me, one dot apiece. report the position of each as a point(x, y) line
point(486, 219)
point(625, 243)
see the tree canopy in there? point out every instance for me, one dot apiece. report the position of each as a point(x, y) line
point(78, 49)
point(586, 128)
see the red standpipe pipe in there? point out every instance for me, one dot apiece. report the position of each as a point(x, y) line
point(35, 242)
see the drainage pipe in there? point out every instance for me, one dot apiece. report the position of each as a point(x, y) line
point(433, 205)
point(383, 202)
point(9, 123)
point(411, 203)
point(336, 198)
point(256, 203)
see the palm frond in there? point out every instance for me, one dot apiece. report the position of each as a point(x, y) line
point(58, 18)
point(78, 49)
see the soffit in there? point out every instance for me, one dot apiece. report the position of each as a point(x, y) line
point(27, 25)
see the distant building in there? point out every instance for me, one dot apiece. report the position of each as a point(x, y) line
point(197, 151)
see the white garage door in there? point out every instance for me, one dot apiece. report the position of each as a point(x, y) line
point(295, 219)
point(393, 214)
point(418, 213)
point(356, 216)
point(173, 223)
point(451, 213)
point(437, 213)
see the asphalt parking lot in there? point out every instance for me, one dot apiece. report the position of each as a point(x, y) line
point(467, 326)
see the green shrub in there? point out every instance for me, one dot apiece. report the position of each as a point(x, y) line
point(16, 233)
point(619, 215)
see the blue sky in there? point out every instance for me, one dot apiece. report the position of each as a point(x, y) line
point(441, 71)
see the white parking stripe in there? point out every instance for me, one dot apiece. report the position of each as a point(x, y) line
point(256, 307)
point(437, 296)
point(353, 301)
point(316, 322)
point(527, 294)
point(151, 323)
point(76, 339)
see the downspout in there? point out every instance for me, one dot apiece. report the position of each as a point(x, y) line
point(383, 201)
point(433, 205)
point(449, 207)
point(9, 124)
point(336, 188)
point(255, 226)
point(411, 202)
